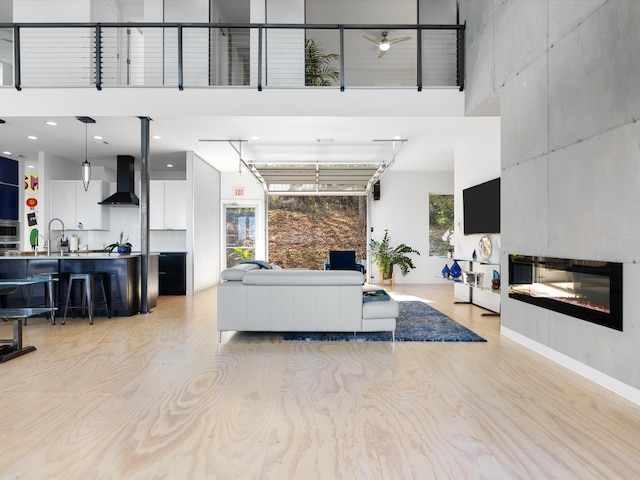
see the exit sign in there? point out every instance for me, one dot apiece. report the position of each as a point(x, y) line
point(239, 192)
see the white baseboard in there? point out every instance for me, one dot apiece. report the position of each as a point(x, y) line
point(630, 393)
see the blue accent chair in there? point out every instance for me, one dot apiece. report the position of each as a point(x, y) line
point(344, 260)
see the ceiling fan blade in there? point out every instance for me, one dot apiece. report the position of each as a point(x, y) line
point(372, 40)
point(401, 39)
point(382, 52)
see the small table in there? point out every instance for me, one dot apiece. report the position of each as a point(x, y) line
point(12, 347)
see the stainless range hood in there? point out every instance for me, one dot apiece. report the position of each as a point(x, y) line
point(124, 184)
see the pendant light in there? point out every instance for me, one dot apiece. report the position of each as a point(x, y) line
point(86, 166)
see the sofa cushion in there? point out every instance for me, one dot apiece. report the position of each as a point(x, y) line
point(237, 272)
point(380, 309)
point(260, 263)
point(303, 277)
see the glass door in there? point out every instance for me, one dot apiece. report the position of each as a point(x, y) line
point(240, 229)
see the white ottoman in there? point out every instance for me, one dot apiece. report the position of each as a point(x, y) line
point(380, 316)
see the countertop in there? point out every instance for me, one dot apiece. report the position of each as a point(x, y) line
point(73, 256)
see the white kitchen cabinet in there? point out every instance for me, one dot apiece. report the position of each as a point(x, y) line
point(71, 204)
point(156, 205)
point(167, 205)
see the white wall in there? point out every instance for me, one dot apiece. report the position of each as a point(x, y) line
point(403, 209)
point(203, 231)
point(475, 162)
point(356, 12)
point(48, 11)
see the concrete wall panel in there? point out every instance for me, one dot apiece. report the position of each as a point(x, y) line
point(481, 97)
point(527, 320)
point(478, 15)
point(520, 37)
point(593, 84)
point(524, 208)
point(525, 135)
point(594, 189)
point(565, 15)
point(581, 197)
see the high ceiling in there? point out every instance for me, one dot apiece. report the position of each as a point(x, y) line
point(363, 136)
point(428, 143)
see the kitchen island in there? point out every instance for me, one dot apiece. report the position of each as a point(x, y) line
point(121, 276)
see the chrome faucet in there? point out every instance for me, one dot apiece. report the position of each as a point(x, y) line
point(48, 242)
point(35, 247)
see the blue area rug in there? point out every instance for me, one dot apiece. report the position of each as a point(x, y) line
point(418, 322)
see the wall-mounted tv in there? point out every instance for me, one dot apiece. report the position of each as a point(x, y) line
point(481, 206)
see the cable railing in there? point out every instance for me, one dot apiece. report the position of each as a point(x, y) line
point(259, 56)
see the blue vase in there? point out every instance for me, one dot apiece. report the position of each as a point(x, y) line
point(124, 249)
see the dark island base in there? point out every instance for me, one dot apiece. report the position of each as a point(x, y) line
point(121, 277)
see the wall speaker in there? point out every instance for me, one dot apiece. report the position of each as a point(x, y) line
point(376, 190)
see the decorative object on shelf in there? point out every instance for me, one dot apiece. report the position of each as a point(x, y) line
point(121, 246)
point(452, 273)
point(495, 281)
point(474, 255)
point(485, 247)
point(446, 271)
point(455, 269)
point(473, 279)
point(86, 166)
point(385, 256)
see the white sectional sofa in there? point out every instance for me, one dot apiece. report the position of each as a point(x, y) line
point(251, 298)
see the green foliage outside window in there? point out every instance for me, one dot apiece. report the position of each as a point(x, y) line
point(440, 225)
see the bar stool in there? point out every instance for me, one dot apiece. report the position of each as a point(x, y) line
point(49, 296)
point(87, 294)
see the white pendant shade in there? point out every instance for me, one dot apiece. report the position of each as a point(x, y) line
point(86, 174)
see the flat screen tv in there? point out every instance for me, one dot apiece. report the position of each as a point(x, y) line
point(481, 207)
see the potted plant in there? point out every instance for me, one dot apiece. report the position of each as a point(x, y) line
point(122, 246)
point(318, 71)
point(385, 256)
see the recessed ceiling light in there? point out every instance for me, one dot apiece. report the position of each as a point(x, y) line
point(51, 124)
point(7, 153)
point(31, 166)
point(254, 137)
point(397, 137)
point(156, 137)
point(97, 137)
point(170, 165)
point(32, 137)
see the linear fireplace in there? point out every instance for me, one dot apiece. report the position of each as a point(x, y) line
point(585, 289)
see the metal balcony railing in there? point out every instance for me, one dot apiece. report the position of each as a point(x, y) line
point(227, 55)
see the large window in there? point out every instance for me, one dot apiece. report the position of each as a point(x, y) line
point(440, 225)
point(302, 229)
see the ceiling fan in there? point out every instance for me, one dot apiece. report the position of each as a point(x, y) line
point(385, 43)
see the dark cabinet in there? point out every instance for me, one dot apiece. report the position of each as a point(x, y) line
point(8, 171)
point(9, 189)
point(172, 273)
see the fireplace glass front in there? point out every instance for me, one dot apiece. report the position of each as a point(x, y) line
point(585, 289)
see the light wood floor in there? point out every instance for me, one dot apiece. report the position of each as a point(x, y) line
point(154, 397)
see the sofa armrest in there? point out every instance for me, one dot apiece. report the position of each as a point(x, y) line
point(237, 272)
